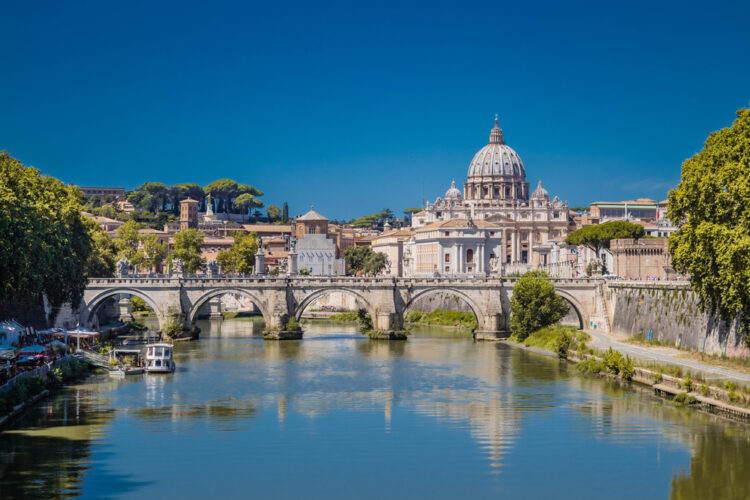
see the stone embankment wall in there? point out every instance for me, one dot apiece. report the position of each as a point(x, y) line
point(670, 313)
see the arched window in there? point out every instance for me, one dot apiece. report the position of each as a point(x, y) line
point(469, 256)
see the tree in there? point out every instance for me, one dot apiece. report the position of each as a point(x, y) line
point(101, 260)
point(285, 213)
point(534, 305)
point(152, 252)
point(711, 207)
point(240, 258)
point(245, 201)
point(274, 213)
point(364, 260)
point(176, 194)
point(375, 263)
point(187, 248)
point(128, 240)
point(45, 241)
point(599, 236)
point(160, 193)
point(223, 189)
point(409, 212)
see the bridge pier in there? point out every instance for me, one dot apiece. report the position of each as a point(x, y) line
point(489, 328)
point(214, 307)
point(125, 309)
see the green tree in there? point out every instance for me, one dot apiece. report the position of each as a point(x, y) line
point(364, 260)
point(101, 260)
point(274, 213)
point(599, 236)
point(128, 240)
point(245, 201)
point(534, 304)
point(375, 263)
point(223, 189)
point(176, 194)
point(151, 252)
point(160, 193)
point(285, 213)
point(45, 242)
point(187, 247)
point(711, 207)
point(240, 258)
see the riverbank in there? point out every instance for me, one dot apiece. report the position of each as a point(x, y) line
point(442, 317)
point(667, 380)
point(28, 388)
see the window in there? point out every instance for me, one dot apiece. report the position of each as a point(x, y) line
point(556, 215)
point(470, 256)
point(492, 256)
point(447, 257)
point(524, 236)
point(447, 269)
point(447, 233)
point(492, 233)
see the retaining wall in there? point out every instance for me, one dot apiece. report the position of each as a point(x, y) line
point(670, 313)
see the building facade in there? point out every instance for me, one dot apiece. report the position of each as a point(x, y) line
point(315, 248)
point(526, 226)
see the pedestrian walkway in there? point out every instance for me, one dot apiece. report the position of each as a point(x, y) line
point(666, 355)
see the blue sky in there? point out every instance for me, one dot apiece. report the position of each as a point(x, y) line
point(359, 107)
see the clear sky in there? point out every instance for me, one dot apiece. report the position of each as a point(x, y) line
point(358, 106)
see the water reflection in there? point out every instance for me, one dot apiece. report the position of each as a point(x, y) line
point(472, 415)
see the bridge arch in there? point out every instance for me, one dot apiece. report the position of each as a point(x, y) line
point(93, 304)
point(574, 304)
point(475, 309)
point(201, 301)
point(300, 307)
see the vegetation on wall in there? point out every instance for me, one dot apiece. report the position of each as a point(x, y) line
point(711, 207)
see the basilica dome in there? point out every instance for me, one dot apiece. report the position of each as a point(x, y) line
point(497, 159)
point(453, 193)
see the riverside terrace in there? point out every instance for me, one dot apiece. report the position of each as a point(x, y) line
point(385, 299)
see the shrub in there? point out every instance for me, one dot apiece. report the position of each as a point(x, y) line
point(365, 321)
point(704, 389)
point(590, 366)
point(173, 329)
point(687, 384)
point(291, 325)
point(612, 361)
point(684, 398)
point(657, 376)
point(136, 326)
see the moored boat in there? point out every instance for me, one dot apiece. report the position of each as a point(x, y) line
point(159, 358)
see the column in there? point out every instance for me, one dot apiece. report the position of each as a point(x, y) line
point(513, 238)
point(459, 258)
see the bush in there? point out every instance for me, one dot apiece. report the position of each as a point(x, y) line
point(612, 361)
point(136, 326)
point(365, 321)
point(684, 398)
point(443, 317)
point(137, 304)
point(534, 304)
point(291, 325)
point(345, 316)
point(627, 368)
point(688, 384)
point(556, 338)
point(173, 329)
point(590, 366)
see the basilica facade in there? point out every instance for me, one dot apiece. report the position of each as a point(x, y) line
point(497, 225)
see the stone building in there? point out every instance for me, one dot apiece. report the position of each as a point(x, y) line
point(392, 244)
point(527, 225)
point(316, 249)
point(645, 258)
point(188, 214)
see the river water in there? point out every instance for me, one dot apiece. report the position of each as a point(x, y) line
point(337, 415)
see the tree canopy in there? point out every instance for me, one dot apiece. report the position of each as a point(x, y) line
point(240, 258)
point(187, 248)
point(599, 236)
point(364, 260)
point(711, 207)
point(47, 247)
point(534, 304)
point(374, 220)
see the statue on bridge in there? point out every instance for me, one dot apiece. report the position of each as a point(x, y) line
point(123, 267)
point(212, 268)
point(177, 268)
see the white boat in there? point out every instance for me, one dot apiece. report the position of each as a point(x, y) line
point(159, 358)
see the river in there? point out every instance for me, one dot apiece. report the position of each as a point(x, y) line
point(337, 415)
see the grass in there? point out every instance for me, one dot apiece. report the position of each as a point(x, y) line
point(684, 398)
point(442, 317)
point(556, 338)
point(640, 339)
point(344, 316)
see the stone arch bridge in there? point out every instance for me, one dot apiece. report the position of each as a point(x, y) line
point(385, 299)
